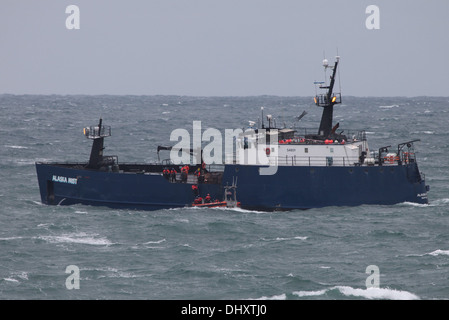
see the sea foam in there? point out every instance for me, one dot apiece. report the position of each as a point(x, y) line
point(79, 238)
point(368, 293)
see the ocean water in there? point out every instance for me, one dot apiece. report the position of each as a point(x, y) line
point(215, 253)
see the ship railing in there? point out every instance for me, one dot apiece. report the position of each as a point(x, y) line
point(322, 99)
point(406, 152)
point(294, 160)
point(343, 161)
point(95, 132)
point(407, 157)
point(351, 135)
point(315, 161)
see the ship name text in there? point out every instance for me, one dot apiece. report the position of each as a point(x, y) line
point(64, 179)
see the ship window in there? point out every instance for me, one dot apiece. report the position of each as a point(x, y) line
point(332, 150)
point(306, 150)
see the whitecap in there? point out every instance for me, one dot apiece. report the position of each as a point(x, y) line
point(155, 242)
point(389, 107)
point(79, 238)
point(441, 201)
point(275, 297)
point(10, 238)
point(115, 273)
point(22, 275)
point(439, 252)
point(44, 225)
point(368, 293)
point(285, 239)
point(24, 162)
point(16, 147)
point(377, 293)
point(413, 204)
point(309, 293)
point(294, 238)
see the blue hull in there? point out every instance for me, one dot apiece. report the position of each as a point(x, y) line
point(116, 190)
point(315, 187)
point(299, 187)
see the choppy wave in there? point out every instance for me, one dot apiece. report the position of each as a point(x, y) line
point(155, 242)
point(218, 253)
point(439, 252)
point(389, 107)
point(275, 297)
point(286, 239)
point(433, 203)
point(368, 293)
point(109, 272)
point(80, 238)
point(17, 277)
point(11, 238)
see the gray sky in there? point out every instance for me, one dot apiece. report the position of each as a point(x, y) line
point(223, 47)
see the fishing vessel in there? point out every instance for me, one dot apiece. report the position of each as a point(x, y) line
point(300, 170)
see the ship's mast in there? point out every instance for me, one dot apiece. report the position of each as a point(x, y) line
point(327, 101)
point(97, 134)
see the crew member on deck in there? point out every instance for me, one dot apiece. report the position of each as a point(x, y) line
point(195, 190)
point(207, 199)
point(198, 200)
point(184, 173)
point(173, 175)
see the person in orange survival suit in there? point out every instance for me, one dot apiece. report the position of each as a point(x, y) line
point(195, 190)
point(173, 175)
